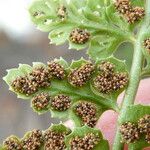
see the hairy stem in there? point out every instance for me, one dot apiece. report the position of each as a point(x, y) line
point(135, 76)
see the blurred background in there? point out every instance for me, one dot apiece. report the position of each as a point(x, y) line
point(21, 42)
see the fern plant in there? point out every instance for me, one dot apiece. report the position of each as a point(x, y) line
point(83, 90)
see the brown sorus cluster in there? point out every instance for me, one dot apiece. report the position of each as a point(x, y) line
point(132, 132)
point(144, 124)
point(88, 142)
point(62, 12)
point(54, 140)
point(41, 101)
point(79, 77)
point(106, 67)
point(40, 76)
point(12, 143)
point(131, 13)
point(144, 127)
point(147, 44)
point(24, 85)
point(79, 36)
point(61, 102)
point(87, 111)
point(123, 6)
point(33, 141)
point(108, 81)
point(137, 14)
point(129, 132)
point(56, 69)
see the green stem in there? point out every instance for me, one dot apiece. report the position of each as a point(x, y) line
point(135, 76)
point(132, 88)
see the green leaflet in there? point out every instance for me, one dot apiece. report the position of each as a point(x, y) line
point(57, 87)
point(134, 113)
point(81, 132)
point(98, 17)
point(12, 74)
point(120, 66)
